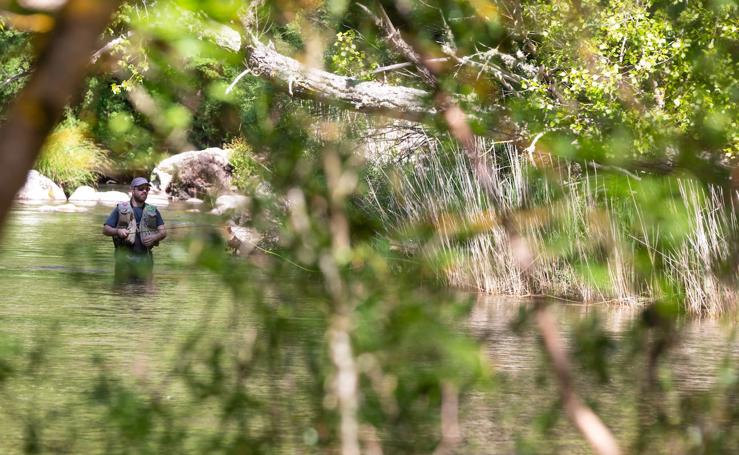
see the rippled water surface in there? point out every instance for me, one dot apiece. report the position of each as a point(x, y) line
point(56, 274)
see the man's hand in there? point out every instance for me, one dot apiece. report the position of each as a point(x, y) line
point(151, 241)
point(155, 239)
point(122, 233)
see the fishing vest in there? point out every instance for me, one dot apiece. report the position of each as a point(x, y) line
point(146, 228)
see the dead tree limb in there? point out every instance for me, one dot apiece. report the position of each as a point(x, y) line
point(363, 96)
point(58, 75)
point(16, 76)
point(312, 83)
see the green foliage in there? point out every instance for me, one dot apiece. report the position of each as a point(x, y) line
point(70, 157)
point(636, 65)
point(248, 172)
point(347, 59)
point(15, 62)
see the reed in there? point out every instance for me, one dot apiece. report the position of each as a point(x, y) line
point(591, 243)
point(70, 158)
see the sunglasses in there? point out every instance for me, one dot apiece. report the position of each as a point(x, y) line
point(142, 188)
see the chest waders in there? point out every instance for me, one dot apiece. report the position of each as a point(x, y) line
point(131, 266)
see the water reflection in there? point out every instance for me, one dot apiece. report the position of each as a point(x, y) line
point(498, 422)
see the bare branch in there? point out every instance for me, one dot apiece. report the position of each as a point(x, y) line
point(587, 422)
point(397, 66)
point(16, 76)
point(395, 40)
point(236, 80)
point(109, 46)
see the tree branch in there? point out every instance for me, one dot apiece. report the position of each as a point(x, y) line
point(16, 76)
point(397, 66)
point(109, 46)
point(587, 422)
point(58, 75)
point(363, 96)
point(397, 42)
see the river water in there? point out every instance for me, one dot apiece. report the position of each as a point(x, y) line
point(61, 309)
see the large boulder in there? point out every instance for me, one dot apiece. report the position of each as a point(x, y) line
point(84, 195)
point(40, 188)
point(194, 174)
point(157, 198)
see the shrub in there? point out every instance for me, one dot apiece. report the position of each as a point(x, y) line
point(246, 166)
point(69, 157)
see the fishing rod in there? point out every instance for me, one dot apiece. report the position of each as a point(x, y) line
point(217, 226)
point(193, 225)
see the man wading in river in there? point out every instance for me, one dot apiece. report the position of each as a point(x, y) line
point(136, 227)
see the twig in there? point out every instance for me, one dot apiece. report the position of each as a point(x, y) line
point(396, 66)
point(109, 46)
point(236, 81)
point(17, 76)
point(394, 38)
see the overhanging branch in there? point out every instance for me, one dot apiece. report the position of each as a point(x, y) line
point(58, 75)
point(363, 96)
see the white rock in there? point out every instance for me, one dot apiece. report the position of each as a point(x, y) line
point(84, 195)
point(40, 188)
point(112, 197)
point(242, 239)
point(231, 202)
point(69, 208)
point(42, 5)
point(194, 201)
point(157, 199)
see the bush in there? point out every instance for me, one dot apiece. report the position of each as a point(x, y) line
point(246, 166)
point(69, 157)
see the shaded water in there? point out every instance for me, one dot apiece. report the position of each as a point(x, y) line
point(56, 271)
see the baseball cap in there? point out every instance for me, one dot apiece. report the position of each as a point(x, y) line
point(138, 181)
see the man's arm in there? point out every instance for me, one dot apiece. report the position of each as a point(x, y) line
point(110, 231)
point(109, 228)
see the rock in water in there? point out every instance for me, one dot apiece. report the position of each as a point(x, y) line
point(231, 202)
point(194, 174)
point(40, 188)
point(84, 195)
point(112, 197)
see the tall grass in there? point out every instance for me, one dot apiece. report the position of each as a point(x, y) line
point(591, 243)
point(70, 158)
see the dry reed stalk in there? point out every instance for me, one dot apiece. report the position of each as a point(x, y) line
point(447, 196)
